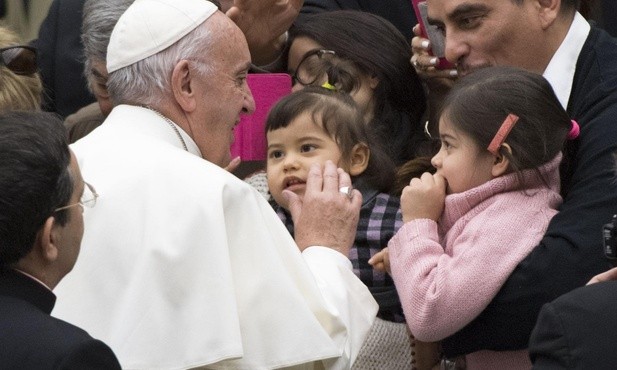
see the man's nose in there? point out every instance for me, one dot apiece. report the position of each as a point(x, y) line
point(456, 47)
point(248, 105)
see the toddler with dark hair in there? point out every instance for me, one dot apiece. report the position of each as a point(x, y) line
point(315, 125)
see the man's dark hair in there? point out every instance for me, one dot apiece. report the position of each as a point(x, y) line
point(35, 179)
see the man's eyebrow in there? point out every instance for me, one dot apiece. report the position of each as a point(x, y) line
point(459, 11)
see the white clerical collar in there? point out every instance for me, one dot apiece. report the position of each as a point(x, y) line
point(561, 68)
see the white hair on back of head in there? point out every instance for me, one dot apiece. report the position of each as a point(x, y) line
point(99, 19)
point(148, 81)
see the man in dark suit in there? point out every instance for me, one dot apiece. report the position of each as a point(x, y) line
point(41, 226)
point(580, 61)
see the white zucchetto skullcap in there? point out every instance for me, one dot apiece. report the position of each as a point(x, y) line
point(150, 26)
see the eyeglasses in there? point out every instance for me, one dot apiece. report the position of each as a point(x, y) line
point(312, 66)
point(88, 198)
point(20, 59)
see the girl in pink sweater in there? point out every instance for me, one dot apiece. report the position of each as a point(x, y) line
point(488, 205)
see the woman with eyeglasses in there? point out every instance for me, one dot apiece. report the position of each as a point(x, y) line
point(21, 87)
point(366, 56)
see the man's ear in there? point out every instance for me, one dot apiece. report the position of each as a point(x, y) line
point(46, 242)
point(548, 11)
point(359, 159)
point(182, 85)
point(501, 163)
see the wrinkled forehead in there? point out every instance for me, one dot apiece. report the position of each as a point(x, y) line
point(228, 34)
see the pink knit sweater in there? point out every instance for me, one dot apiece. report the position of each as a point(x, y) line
point(447, 273)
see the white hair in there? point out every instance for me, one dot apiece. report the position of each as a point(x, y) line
point(99, 19)
point(148, 81)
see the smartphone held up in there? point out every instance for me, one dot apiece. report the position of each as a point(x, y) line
point(431, 32)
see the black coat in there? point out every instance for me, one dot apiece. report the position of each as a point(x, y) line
point(571, 251)
point(578, 330)
point(60, 59)
point(31, 339)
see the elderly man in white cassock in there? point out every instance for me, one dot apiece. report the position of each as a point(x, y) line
point(182, 264)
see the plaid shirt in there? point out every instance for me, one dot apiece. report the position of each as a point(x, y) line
point(380, 219)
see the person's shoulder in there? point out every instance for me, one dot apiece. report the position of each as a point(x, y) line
point(596, 67)
point(76, 348)
point(576, 330)
point(44, 340)
point(605, 50)
point(84, 121)
point(91, 112)
point(90, 354)
point(601, 295)
point(29, 320)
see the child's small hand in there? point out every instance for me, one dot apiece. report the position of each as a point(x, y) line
point(423, 197)
point(381, 261)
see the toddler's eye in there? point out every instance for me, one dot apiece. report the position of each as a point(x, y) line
point(307, 148)
point(275, 154)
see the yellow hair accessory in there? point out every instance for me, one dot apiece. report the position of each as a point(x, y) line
point(329, 86)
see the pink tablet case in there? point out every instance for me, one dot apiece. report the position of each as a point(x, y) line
point(250, 138)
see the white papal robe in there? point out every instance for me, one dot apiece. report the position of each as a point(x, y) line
point(183, 265)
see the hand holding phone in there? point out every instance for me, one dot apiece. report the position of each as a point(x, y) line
point(438, 44)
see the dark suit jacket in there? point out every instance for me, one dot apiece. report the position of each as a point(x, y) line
point(607, 19)
point(31, 339)
point(61, 58)
point(399, 12)
point(577, 330)
point(571, 251)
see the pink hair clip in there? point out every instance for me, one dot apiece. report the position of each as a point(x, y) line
point(574, 130)
point(502, 133)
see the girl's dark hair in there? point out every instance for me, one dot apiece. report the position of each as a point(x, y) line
point(478, 104)
point(341, 119)
point(377, 49)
